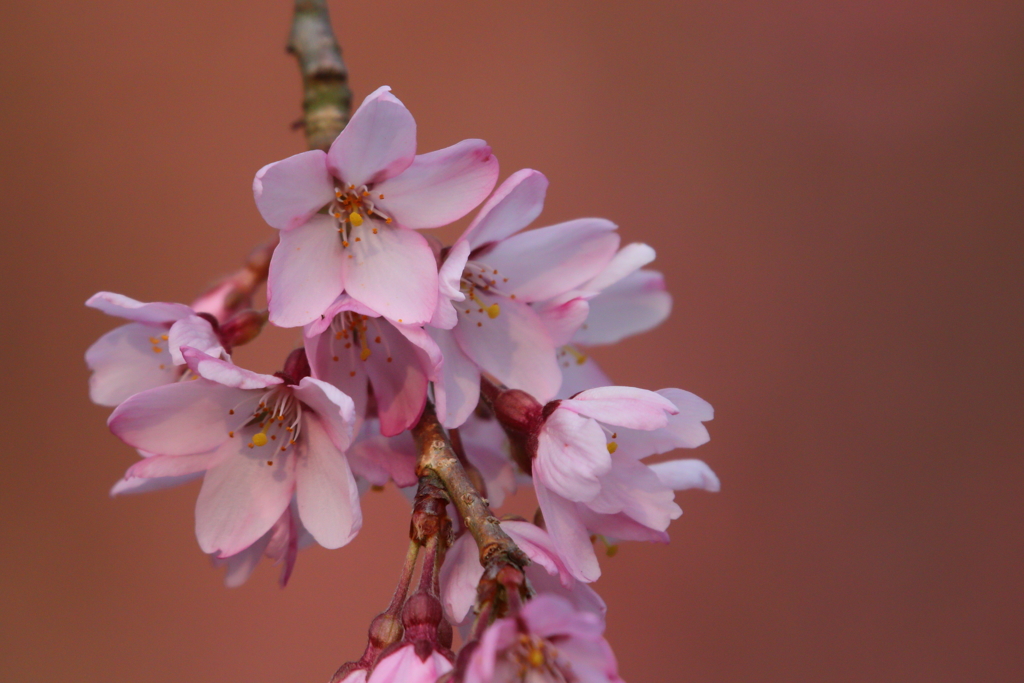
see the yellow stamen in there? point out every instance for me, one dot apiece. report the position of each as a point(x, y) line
point(580, 357)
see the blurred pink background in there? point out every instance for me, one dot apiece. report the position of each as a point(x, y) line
point(835, 193)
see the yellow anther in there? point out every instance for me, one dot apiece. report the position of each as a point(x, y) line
point(164, 337)
point(259, 439)
point(612, 446)
point(364, 354)
point(154, 340)
point(493, 311)
point(355, 219)
point(577, 354)
point(157, 349)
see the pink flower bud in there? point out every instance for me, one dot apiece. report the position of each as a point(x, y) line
point(242, 328)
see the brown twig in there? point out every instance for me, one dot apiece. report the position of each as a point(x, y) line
point(437, 457)
point(326, 99)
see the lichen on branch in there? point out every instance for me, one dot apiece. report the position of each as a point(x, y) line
point(326, 99)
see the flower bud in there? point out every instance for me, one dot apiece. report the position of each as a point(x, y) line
point(296, 366)
point(422, 612)
point(242, 328)
point(385, 629)
point(519, 411)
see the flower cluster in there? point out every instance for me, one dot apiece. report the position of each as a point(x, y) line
point(489, 334)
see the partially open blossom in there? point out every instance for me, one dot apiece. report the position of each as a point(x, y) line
point(144, 353)
point(588, 475)
point(377, 192)
point(260, 439)
point(411, 663)
point(352, 347)
point(549, 641)
point(501, 270)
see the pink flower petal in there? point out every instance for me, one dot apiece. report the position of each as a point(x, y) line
point(240, 566)
point(539, 547)
point(514, 346)
point(619, 527)
point(572, 453)
point(379, 459)
point(636, 304)
point(194, 331)
point(122, 306)
point(623, 406)
point(379, 141)
point(290, 191)
point(183, 418)
point(564, 524)
point(543, 263)
point(633, 489)
point(457, 391)
point(512, 207)
point(398, 372)
point(581, 595)
point(449, 280)
point(225, 372)
point(137, 485)
point(335, 411)
point(628, 260)
point(123, 363)
point(306, 272)
point(243, 496)
point(564, 320)
point(460, 575)
point(344, 303)
point(579, 376)
point(551, 615)
point(172, 465)
point(393, 272)
point(325, 488)
point(681, 475)
point(440, 187)
point(347, 373)
point(403, 665)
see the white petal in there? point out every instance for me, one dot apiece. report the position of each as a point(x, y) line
point(681, 475)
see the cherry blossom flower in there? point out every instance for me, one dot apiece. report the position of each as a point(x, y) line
point(260, 440)
point(144, 353)
point(549, 641)
point(377, 191)
point(352, 347)
point(548, 573)
point(494, 272)
point(588, 475)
